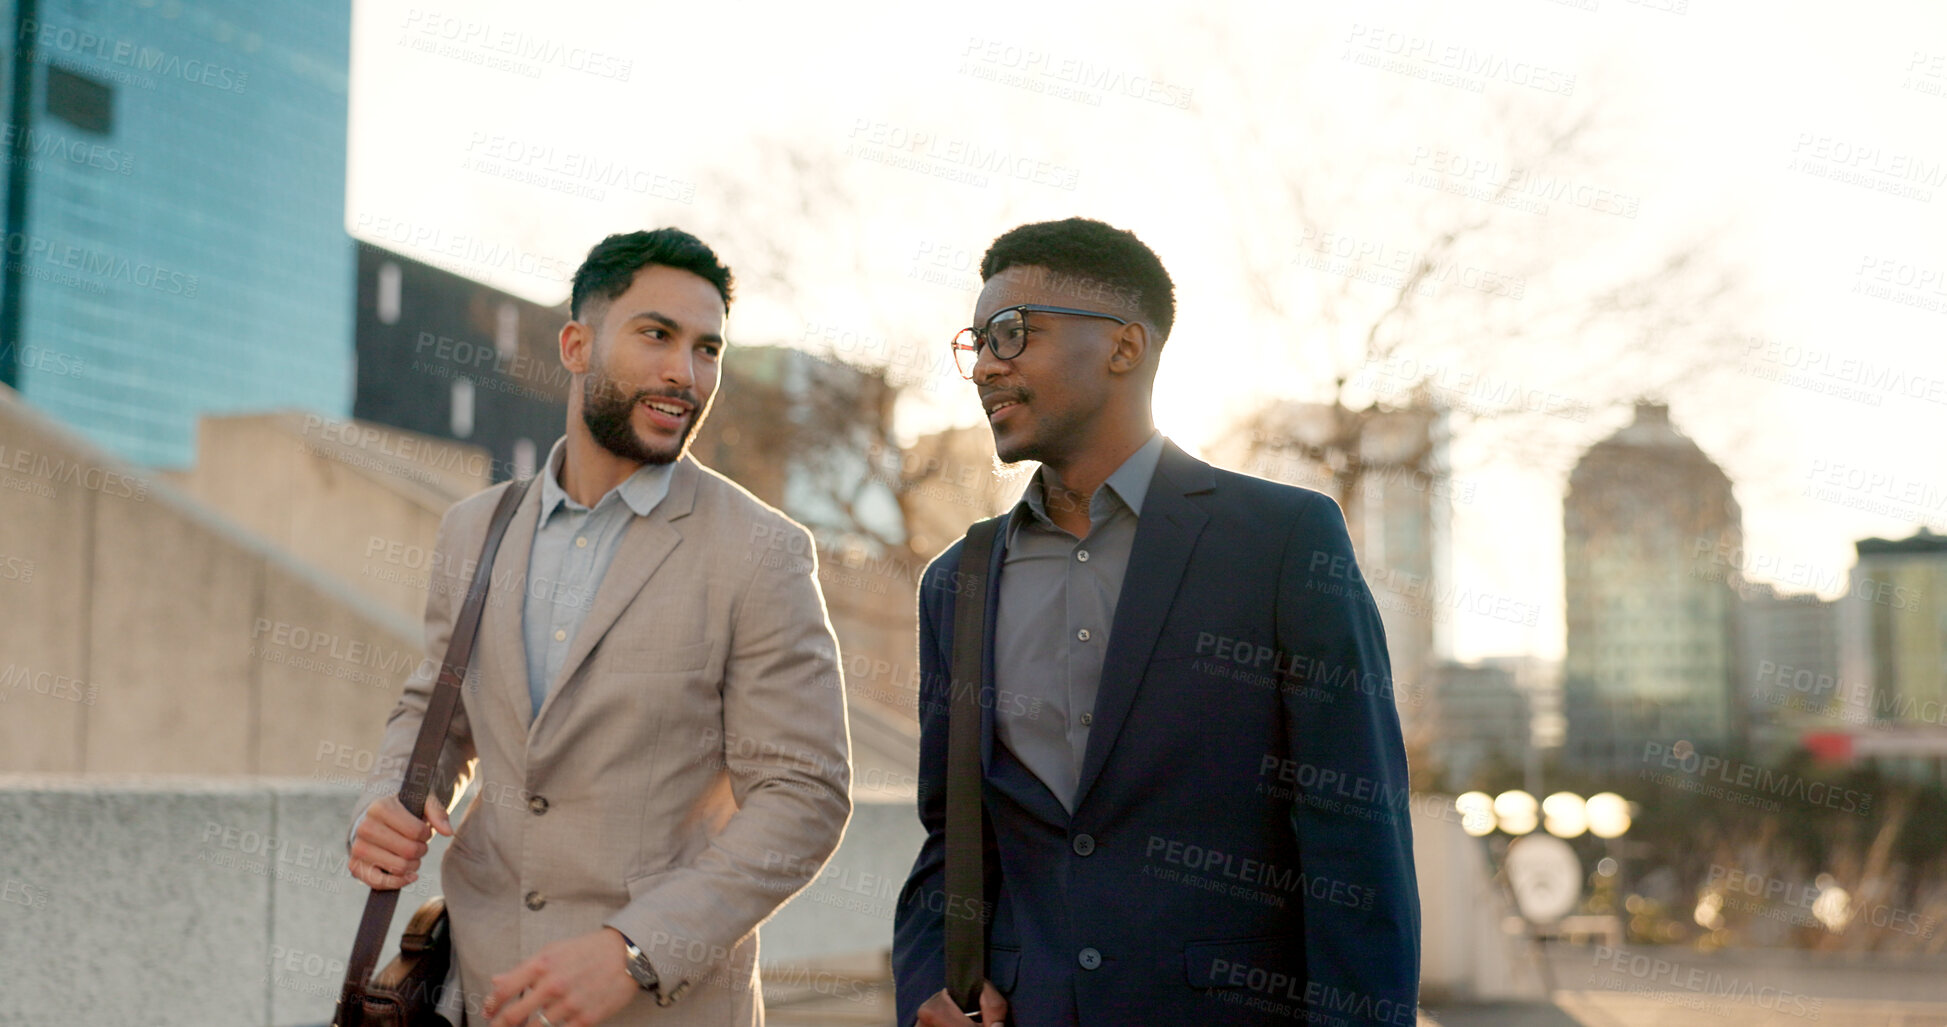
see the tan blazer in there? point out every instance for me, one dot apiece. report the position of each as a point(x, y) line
point(688, 771)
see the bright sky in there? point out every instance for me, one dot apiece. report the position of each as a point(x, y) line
point(1786, 132)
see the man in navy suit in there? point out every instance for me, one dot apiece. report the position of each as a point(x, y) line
point(1193, 777)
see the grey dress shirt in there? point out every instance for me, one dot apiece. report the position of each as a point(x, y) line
point(573, 546)
point(1057, 603)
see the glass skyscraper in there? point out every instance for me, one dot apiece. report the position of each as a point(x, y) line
point(182, 246)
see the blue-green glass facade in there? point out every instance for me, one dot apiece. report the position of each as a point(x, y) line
point(184, 250)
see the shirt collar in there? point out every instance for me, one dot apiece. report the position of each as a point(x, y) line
point(640, 491)
point(1129, 483)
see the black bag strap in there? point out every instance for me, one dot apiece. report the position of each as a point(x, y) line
point(966, 898)
point(380, 905)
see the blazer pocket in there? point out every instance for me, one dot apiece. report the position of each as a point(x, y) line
point(681, 659)
point(1003, 968)
point(1266, 965)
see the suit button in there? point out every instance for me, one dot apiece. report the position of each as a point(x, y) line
point(537, 805)
point(1089, 958)
point(535, 900)
point(1084, 845)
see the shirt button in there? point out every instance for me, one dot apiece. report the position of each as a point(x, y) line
point(1084, 844)
point(535, 900)
point(538, 804)
point(1082, 634)
point(1089, 958)
point(581, 542)
point(1087, 719)
point(560, 635)
point(1082, 555)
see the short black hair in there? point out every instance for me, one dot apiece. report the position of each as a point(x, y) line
point(612, 264)
point(1101, 258)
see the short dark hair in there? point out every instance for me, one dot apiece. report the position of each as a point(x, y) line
point(1099, 256)
point(611, 266)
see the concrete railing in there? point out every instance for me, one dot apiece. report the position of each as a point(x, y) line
point(225, 901)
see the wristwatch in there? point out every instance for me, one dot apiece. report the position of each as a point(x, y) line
point(645, 975)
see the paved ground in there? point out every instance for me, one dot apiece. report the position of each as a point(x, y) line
point(1595, 988)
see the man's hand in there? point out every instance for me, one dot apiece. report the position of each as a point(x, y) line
point(390, 842)
point(574, 983)
point(939, 1011)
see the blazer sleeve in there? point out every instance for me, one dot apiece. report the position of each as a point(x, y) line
point(919, 934)
point(787, 754)
point(1362, 947)
point(445, 592)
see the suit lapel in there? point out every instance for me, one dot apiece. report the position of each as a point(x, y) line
point(1165, 535)
point(645, 544)
point(506, 600)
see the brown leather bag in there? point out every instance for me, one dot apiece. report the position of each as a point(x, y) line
point(407, 992)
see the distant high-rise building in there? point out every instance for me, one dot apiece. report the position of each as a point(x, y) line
point(175, 237)
point(1480, 718)
point(1894, 632)
point(1649, 655)
point(1788, 663)
point(1397, 494)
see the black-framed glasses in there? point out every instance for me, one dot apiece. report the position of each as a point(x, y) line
point(1007, 333)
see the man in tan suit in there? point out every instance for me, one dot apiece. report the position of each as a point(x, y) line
point(654, 710)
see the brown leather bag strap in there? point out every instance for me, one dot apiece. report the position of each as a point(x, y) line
point(966, 878)
point(381, 904)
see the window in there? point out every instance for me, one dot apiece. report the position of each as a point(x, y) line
point(507, 331)
point(83, 102)
point(391, 281)
point(462, 415)
point(524, 458)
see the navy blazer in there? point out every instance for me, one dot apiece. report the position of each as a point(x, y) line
point(1239, 851)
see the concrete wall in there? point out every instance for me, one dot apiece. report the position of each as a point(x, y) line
point(141, 632)
point(1465, 955)
point(355, 500)
point(214, 902)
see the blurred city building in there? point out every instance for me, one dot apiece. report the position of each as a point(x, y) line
point(1787, 665)
point(443, 355)
point(1481, 721)
point(1889, 699)
point(176, 216)
point(1650, 618)
point(1388, 470)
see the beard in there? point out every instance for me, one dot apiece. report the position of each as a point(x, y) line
point(608, 410)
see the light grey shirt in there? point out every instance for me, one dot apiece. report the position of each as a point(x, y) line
point(573, 545)
point(1057, 603)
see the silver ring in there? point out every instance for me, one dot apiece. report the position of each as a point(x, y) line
point(543, 1017)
